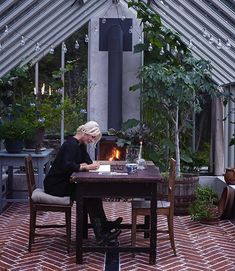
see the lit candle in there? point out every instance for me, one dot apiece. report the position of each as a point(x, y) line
point(140, 153)
point(43, 89)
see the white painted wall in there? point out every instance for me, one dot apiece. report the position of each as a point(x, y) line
point(98, 70)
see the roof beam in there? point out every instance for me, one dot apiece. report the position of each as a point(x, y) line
point(6, 5)
point(15, 13)
point(202, 51)
point(62, 34)
point(195, 20)
point(179, 25)
point(223, 7)
point(63, 25)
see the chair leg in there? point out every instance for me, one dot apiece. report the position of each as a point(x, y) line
point(32, 226)
point(68, 228)
point(133, 229)
point(146, 225)
point(171, 232)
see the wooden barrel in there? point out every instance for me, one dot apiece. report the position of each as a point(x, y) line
point(185, 189)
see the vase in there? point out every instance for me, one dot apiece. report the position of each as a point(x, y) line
point(132, 153)
point(13, 145)
point(229, 175)
point(36, 140)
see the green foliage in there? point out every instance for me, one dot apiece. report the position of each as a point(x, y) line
point(205, 204)
point(14, 85)
point(172, 85)
point(196, 159)
point(132, 133)
point(13, 129)
point(32, 113)
point(41, 112)
point(156, 34)
point(75, 112)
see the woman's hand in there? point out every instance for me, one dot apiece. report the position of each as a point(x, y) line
point(94, 165)
point(85, 166)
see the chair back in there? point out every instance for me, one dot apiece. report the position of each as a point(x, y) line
point(30, 175)
point(171, 184)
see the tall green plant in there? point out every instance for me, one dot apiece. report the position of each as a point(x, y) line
point(177, 91)
point(172, 84)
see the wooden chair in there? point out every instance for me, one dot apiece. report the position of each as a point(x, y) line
point(141, 207)
point(40, 201)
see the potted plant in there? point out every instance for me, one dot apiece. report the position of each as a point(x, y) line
point(204, 208)
point(132, 134)
point(40, 114)
point(13, 132)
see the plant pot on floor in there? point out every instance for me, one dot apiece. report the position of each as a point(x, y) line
point(13, 145)
point(210, 221)
point(36, 140)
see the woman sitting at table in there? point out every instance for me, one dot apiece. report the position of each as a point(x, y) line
point(73, 157)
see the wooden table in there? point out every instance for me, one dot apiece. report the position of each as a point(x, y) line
point(141, 184)
point(12, 160)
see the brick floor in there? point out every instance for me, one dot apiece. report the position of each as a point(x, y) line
point(199, 247)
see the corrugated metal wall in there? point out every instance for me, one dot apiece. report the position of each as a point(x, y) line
point(51, 22)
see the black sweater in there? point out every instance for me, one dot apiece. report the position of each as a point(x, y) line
point(67, 161)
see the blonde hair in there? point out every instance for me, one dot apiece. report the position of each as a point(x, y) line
point(90, 128)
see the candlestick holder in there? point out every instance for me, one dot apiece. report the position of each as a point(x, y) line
point(141, 164)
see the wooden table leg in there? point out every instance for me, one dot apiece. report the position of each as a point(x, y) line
point(85, 223)
point(1, 190)
point(153, 226)
point(146, 225)
point(79, 225)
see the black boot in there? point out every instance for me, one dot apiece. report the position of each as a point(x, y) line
point(103, 236)
point(109, 225)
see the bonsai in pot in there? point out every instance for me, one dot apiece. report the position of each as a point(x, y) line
point(204, 208)
point(13, 132)
point(40, 115)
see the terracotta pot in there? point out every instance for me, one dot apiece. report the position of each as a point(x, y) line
point(210, 221)
point(37, 139)
point(229, 175)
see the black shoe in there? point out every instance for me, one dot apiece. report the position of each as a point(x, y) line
point(109, 225)
point(107, 237)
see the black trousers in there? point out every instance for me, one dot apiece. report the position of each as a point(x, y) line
point(93, 206)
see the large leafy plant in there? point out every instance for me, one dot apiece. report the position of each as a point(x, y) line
point(131, 133)
point(173, 84)
point(13, 129)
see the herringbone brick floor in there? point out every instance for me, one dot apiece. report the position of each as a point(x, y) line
point(199, 247)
